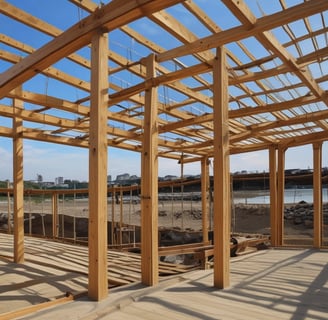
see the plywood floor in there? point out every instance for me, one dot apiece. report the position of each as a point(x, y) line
point(271, 284)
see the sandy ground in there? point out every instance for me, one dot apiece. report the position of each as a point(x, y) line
point(245, 218)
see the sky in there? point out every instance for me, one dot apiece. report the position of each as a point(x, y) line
point(51, 160)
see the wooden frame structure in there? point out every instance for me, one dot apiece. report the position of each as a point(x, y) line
point(264, 89)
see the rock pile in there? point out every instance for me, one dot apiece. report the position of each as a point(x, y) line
point(302, 214)
point(194, 214)
point(4, 220)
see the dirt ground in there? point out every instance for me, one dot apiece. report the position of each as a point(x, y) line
point(180, 215)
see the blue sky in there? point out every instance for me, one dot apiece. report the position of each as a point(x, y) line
point(51, 160)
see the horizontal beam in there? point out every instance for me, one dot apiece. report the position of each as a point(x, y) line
point(265, 23)
point(109, 17)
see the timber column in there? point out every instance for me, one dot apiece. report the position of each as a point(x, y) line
point(221, 172)
point(317, 195)
point(97, 238)
point(149, 182)
point(273, 196)
point(205, 195)
point(18, 183)
point(280, 196)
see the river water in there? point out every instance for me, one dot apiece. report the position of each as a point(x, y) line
point(292, 196)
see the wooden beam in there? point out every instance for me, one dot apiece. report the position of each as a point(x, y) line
point(18, 183)
point(161, 80)
point(221, 204)
point(271, 43)
point(273, 194)
point(279, 106)
point(149, 184)
point(248, 111)
point(97, 238)
point(33, 116)
point(265, 23)
point(317, 195)
point(109, 17)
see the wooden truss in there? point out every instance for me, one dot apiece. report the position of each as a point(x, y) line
point(256, 82)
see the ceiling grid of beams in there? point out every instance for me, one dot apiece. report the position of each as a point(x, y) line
point(277, 73)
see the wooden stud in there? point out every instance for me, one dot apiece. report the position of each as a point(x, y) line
point(281, 196)
point(149, 184)
point(273, 194)
point(317, 195)
point(221, 204)
point(18, 184)
point(9, 207)
point(205, 191)
point(54, 202)
point(97, 238)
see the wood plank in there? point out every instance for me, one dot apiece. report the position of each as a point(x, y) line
point(183, 249)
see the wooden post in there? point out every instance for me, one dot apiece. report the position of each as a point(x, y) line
point(273, 195)
point(317, 195)
point(54, 203)
point(9, 207)
point(182, 190)
point(18, 184)
point(221, 199)
point(149, 184)
point(121, 217)
point(281, 196)
point(204, 190)
point(113, 217)
point(97, 235)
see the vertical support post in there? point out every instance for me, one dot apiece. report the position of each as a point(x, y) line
point(221, 172)
point(121, 216)
point(149, 183)
point(204, 191)
point(273, 195)
point(97, 233)
point(9, 208)
point(113, 217)
point(182, 189)
point(281, 196)
point(18, 185)
point(317, 195)
point(54, 215)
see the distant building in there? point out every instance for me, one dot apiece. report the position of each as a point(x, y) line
point(122, 177)
point(47, 184)
point(170, 177)
point(59, 181)
point(39, 178)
